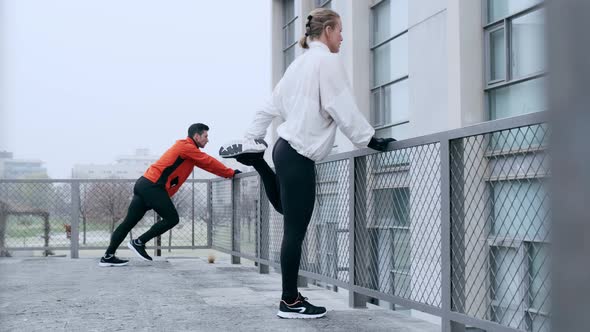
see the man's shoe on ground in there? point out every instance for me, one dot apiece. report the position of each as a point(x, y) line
point(112, 260)
point(139, 249)
point(236, 148)
point(300, 309)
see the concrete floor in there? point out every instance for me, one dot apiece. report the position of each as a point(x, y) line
point(169, 294)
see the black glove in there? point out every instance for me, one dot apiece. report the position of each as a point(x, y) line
point(237, 171)
point(380, 144)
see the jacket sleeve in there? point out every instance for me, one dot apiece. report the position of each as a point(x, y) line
point(337, 99)
point(206, 162)
point(264, 116)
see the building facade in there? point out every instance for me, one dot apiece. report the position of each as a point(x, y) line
point(424, 66)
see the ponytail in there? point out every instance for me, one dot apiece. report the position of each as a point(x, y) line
point(303, 42)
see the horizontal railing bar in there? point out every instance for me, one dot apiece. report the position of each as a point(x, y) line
point(480, 323)
point(399, 300)
point(99, 248)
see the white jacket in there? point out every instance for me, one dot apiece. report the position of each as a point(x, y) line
point(313, 97)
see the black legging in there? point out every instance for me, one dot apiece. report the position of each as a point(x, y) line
point(291, 192)
point(146, 196)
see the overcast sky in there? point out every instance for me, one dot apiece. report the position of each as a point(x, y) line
point(86, 81)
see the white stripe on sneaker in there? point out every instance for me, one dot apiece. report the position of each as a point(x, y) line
point(112, 264)
point(296, 315)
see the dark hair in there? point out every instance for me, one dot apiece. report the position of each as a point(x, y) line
point(317, 20)
point(197, 128)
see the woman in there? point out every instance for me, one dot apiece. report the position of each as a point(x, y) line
point(313, 98)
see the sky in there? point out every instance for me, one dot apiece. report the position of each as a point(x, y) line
point(87, 81)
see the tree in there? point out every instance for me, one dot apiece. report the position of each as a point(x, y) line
point(109, 199)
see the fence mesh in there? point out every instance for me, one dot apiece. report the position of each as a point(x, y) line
point(247, 196)
point(221, 206)
point(38, 214)
point(500, 227)
point(397, 206)
point(326, 245)
point(272, 236)
point(103, 205)
point(34, 215)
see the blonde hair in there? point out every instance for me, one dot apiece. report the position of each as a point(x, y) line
point(317, 20)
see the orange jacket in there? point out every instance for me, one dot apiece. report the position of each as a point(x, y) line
point(175, 166)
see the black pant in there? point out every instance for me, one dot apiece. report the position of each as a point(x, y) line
point(146, 196)
point(291, 192)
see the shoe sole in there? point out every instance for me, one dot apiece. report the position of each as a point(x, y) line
point(137, 252)
point(233, 150)
point(112, 264)
point(296, 315)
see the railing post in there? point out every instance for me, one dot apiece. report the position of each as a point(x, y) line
point(209, 214)
point(158, 250)
point(235, 225)
point(355, 300)
point(193, 212)
point(445, 181)
point(263, 228)
point(74, 219)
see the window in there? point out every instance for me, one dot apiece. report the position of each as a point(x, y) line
point(515, 57)
point(389, 76)
point(323, 3)
point(392, 216)
point(519, 255)
point(289, 28)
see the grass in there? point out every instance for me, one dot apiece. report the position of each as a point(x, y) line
point(21, 227)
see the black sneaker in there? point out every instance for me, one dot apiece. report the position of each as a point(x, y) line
point(236, 148)
point(300, 309)
point(112, 260)
point(139, 249)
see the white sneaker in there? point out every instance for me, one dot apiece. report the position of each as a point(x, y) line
point(236, 148)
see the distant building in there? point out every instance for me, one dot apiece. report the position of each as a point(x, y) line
point(133, 166)
point(11, 168)
point(125, 167)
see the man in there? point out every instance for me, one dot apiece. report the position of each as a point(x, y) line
point(154, 189)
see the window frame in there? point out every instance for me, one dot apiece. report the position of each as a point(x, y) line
point(523, 247)
point(323, 4)
point(505, 23)
point(380, 88)
point(287, 23)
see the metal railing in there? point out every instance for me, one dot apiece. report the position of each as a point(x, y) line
point(78, 215)
point(454, 224)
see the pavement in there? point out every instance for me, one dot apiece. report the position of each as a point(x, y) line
point(168, 294)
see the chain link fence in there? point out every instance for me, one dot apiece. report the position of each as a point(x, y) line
point(34, 215)
point(222, 214)
point(398, 224)
point(326, 246)
point(454, 224)
point(38, 214)
point(500, 227)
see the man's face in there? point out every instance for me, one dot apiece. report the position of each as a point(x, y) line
point(202, 139)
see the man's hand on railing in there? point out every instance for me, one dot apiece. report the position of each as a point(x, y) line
point(237, 171)
point(380, 144)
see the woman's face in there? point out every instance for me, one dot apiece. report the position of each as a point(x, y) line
point(334, 37)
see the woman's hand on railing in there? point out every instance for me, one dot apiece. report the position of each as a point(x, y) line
point(380, 144)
